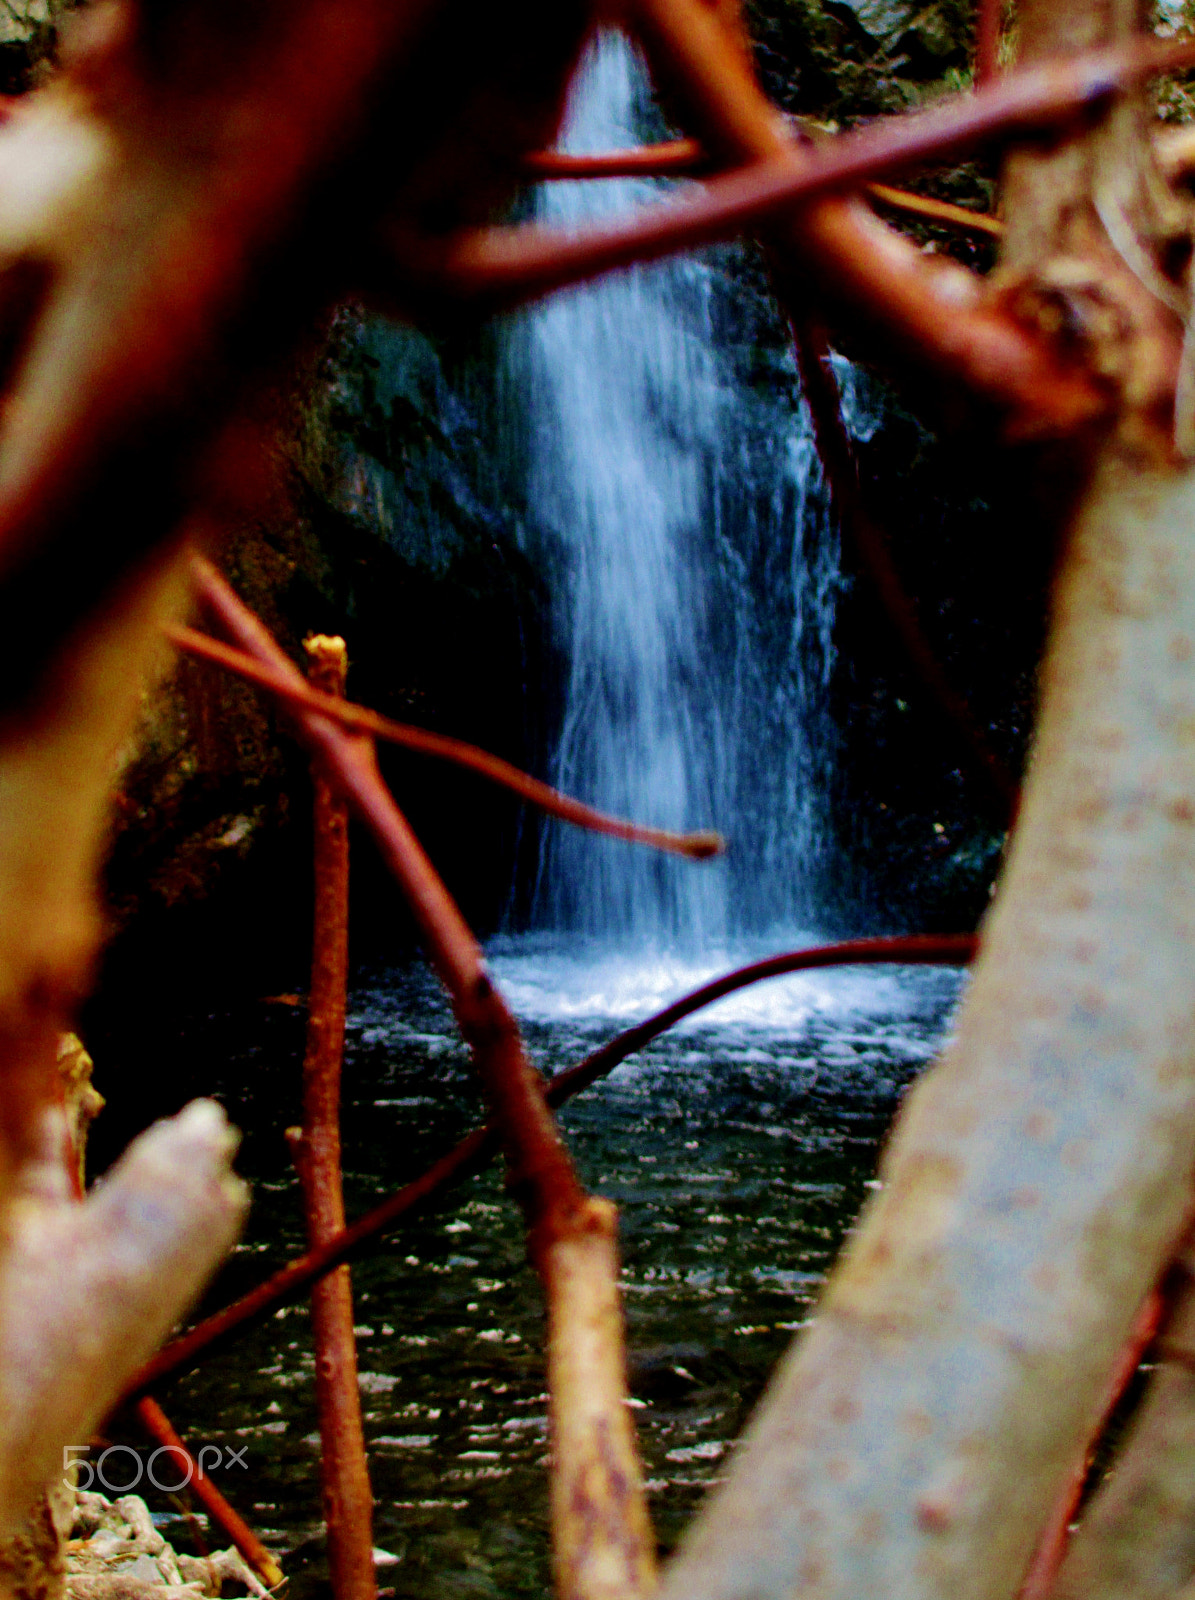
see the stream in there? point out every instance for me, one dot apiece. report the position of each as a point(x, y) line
point(738, 1148)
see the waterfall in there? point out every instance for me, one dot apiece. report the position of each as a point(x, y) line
point(675, 506)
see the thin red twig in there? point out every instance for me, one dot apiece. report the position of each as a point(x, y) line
point(602, 1540)
point(924, 205)
point(478, 1148)
point(676, 157)
point(1056, 1535)
point(686, 157)
point(539, 1163)
point(157, 1424)
point(344, 1472)
point(697, 846)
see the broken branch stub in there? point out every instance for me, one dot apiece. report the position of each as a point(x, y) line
point(928, 316)
point(698, 846)
point(602, 1540)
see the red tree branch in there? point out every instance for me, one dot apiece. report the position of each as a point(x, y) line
point(838, 458)
point(1056, 1535)
point(698, 846)
point(344, 1474)
point(926, 317)
point(987, 41)
point(539, 1162)
point(157, 1424)
point(686, 158)
point(676, 158)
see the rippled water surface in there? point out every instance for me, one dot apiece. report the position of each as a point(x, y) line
point(738, 1148)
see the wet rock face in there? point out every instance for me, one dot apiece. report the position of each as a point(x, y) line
point(116, 1553)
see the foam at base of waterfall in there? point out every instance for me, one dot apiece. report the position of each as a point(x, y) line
point(547, 978)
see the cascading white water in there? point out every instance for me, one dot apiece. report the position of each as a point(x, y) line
point(676, 510)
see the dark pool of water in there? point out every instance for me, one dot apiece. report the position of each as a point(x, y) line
point(738, 1150)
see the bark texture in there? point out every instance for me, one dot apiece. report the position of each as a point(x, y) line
point(344, 1475)
point(1040, 1175)
point(603, 1547)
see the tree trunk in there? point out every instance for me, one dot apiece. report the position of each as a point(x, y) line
point(1039, 1179)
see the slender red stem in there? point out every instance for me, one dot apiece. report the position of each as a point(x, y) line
point(157, 1424)
point(681, 157)
point(697, 846)
point(344, 1473)
point(478, 1148)
point(924, 205)
point(1056, 1535)
point(600, 1524)
point(541, 1172)
point(676, 157)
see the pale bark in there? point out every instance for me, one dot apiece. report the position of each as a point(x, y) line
point(1040, 1176)
point(88, 1291)
point(603, 1547)
point(33, 1555)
